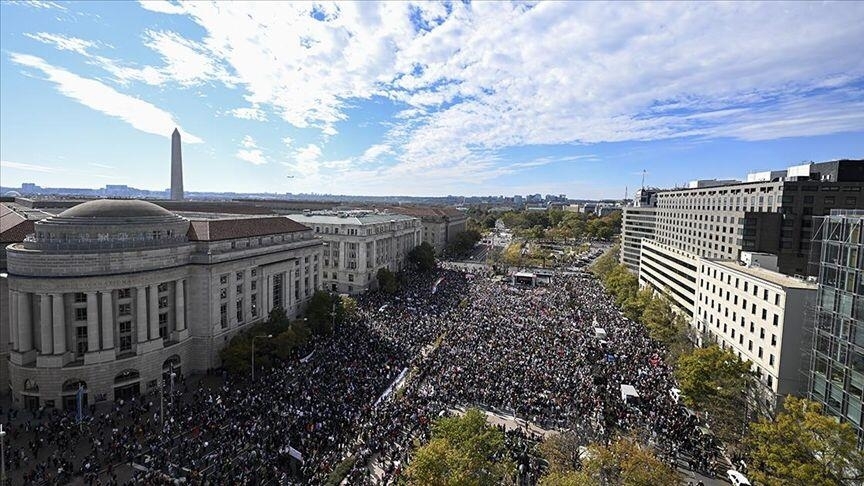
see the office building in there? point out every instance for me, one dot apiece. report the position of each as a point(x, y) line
point(112, 294)
point(719, 219)
point(358, 243)
point(760, 315)
point(837, 355)
point(637, 224)
point(671, 272)
point(440, 224)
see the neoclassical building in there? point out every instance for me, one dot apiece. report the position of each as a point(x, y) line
point(115, 294)
point(357, 243)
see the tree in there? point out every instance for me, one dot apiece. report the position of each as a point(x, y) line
point(804, 447)
point(625, 462)
point(715, 381)
point(463, 242)
point(319, 312)
point(512, 255)
point(461, 452)
point(423, 257)
point(349, 304)
point(386, 281)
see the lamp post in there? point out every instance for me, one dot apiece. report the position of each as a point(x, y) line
point(2, 455)
point(267, 336)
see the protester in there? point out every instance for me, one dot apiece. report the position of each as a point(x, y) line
point(452, 339)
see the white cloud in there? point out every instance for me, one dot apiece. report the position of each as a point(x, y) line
point(100, 97)
point(250, 152)
point(306, 161)
point(288, 141)
point(253, 113)
point(101, 166)
point(479, 78)
point(161, 6)
point(28, 167)
point(64, 43)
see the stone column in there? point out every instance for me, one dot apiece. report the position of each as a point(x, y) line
point(232, 301)
point(13, 319)
point(247, 295)
point(46, 337)
point(141, 313)
point(154, 312)
point(92, 323)
point(302, 268)
point(25, 326)
point(59, 323)
point(107, 320)
point(179, 305)
point(268, 294)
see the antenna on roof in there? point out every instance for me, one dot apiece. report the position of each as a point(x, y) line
point(643, 178)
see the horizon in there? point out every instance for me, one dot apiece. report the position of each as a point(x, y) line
point(427, 100)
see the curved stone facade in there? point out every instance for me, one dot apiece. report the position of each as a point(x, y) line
point(112, 297)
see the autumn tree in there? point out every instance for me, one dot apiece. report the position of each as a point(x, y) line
point(715, 381)
point(461, 452)
point(625, 462)
point(804, 447)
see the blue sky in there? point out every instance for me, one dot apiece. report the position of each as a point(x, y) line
point(425, 99)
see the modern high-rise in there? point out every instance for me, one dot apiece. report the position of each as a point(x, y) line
point(772, 212)
point(637, 224)
point(837, 355)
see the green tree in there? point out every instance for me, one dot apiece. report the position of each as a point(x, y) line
point(512, 255)
point(423, 257)
point(804, 447)
point(625, 462)
point(715, 381)
point(463, 242)
point(323, 312)
point(461, 452)
point(386, 281)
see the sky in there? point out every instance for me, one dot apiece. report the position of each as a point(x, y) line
point(425, 99)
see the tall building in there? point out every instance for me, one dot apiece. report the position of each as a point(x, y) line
point(637, 224)
point(761, 316)
point(358, 243)
point(112, 294)
point(722, 219)
point(837, 355)
point(176, 167)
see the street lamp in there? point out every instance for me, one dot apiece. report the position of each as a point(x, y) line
point(2, 455)
point(267, 336)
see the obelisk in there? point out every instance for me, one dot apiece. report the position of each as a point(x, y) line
point(176, 167)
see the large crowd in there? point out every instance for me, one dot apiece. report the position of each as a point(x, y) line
point(447, 339)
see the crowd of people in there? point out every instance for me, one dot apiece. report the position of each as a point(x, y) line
point(365, 394)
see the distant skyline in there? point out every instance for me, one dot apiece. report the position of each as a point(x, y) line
point(425, 99)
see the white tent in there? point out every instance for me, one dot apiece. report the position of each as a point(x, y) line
point(628, 392)
point(599, 333)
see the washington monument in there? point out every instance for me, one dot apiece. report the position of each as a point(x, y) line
point(176, 167)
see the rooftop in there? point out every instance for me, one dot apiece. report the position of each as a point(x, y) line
point(348, 217)
point(766, 275)
point(232, 227)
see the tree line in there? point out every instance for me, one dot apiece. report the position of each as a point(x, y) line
point(799, 446)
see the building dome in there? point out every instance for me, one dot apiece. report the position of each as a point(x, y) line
point(115, 208)
point(109, 224)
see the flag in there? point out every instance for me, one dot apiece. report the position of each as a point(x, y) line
point(435, 287)
point(79, 399)
point(295, 454)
